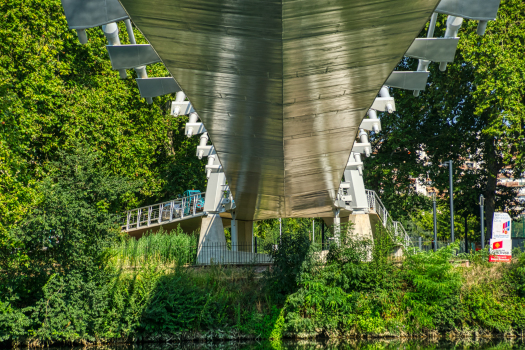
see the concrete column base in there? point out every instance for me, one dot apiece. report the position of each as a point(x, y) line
point(211, 239)
point(245, 236)
point(362, 226)
point(212, 230)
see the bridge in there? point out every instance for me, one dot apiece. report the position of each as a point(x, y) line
point(287, 92)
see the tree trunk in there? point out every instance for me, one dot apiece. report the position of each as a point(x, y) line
point(494, 166)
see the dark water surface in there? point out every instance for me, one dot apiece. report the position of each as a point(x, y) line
point(469, 344)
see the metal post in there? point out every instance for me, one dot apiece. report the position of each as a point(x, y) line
point(253, 235)
point(313, 230)
point(451, 201)
point(466, 234)
point(322, 234)
point(420, 245)
point(233, 233)
point(280, 230)
point(139, 214)
point(482, 212)
point(129, 29)
point(435, 220)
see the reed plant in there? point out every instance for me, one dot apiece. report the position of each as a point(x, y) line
point(173, 248)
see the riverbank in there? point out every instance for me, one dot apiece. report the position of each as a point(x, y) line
point(348, 296)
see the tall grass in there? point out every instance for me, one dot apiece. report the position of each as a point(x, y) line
point(165, 248)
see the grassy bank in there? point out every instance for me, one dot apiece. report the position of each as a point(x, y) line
point(358, 291)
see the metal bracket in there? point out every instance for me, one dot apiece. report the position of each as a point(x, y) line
point(360, 147)
point(368, 124)
point(153, 87)
point(82, 14)
point(408, 80)
point(185, 108)
point(433, 49)
point(131, 56)
point(198, 128)
point(207, 150)
point(380, 104)
point(481, 10)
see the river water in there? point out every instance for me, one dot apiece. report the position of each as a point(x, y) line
point(463, 344)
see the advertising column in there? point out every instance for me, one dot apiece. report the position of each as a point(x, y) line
point(501, 242)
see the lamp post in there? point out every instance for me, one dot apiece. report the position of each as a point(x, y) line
point(435, 220)
point(482, 212)
point(280, 230)
point(451, 185)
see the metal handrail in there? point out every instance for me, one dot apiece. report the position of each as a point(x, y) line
point(395, 227)
point(162, 213)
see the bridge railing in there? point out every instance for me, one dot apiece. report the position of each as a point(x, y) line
point(395, 227)
point(161, 213)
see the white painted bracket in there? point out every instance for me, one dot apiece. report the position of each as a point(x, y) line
point(197, 128)
point(207, 150)
point(368, 124)
point(381, 103)
point(181, 108)
point(361, 147)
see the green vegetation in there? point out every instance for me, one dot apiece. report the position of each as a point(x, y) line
point(55, 93)
point(173, 248)
point(472, 112)
point(59, 285)
point(78, 146)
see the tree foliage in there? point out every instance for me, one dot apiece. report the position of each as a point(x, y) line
point(471, 112)
point(71, 229)
point(55, 92)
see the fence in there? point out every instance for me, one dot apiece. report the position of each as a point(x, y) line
point(227, 254)
point(395, 227)
point(427, 244)
point(162, 213)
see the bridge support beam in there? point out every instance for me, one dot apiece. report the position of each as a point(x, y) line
point(245, 239)
point(212, 230)
point(212, 241)
point(363, 225)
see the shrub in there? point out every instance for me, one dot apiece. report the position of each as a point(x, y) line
point(72, 228)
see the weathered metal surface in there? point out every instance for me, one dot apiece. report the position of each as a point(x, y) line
point(281, 86)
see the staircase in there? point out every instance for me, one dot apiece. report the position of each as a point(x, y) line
point(394, 227)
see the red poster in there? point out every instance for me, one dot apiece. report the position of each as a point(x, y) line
point(500, 258)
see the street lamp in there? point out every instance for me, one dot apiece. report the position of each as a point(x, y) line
point(482, 212)
point(449, 164)
point(435, 220)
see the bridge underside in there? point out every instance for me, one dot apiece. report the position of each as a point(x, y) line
point(281, 86)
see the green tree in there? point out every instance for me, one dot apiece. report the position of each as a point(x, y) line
point(472, 112)
point(72, 227)
point(55, 92)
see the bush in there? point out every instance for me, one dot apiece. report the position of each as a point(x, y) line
point(70, 231)
point(288, 259)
